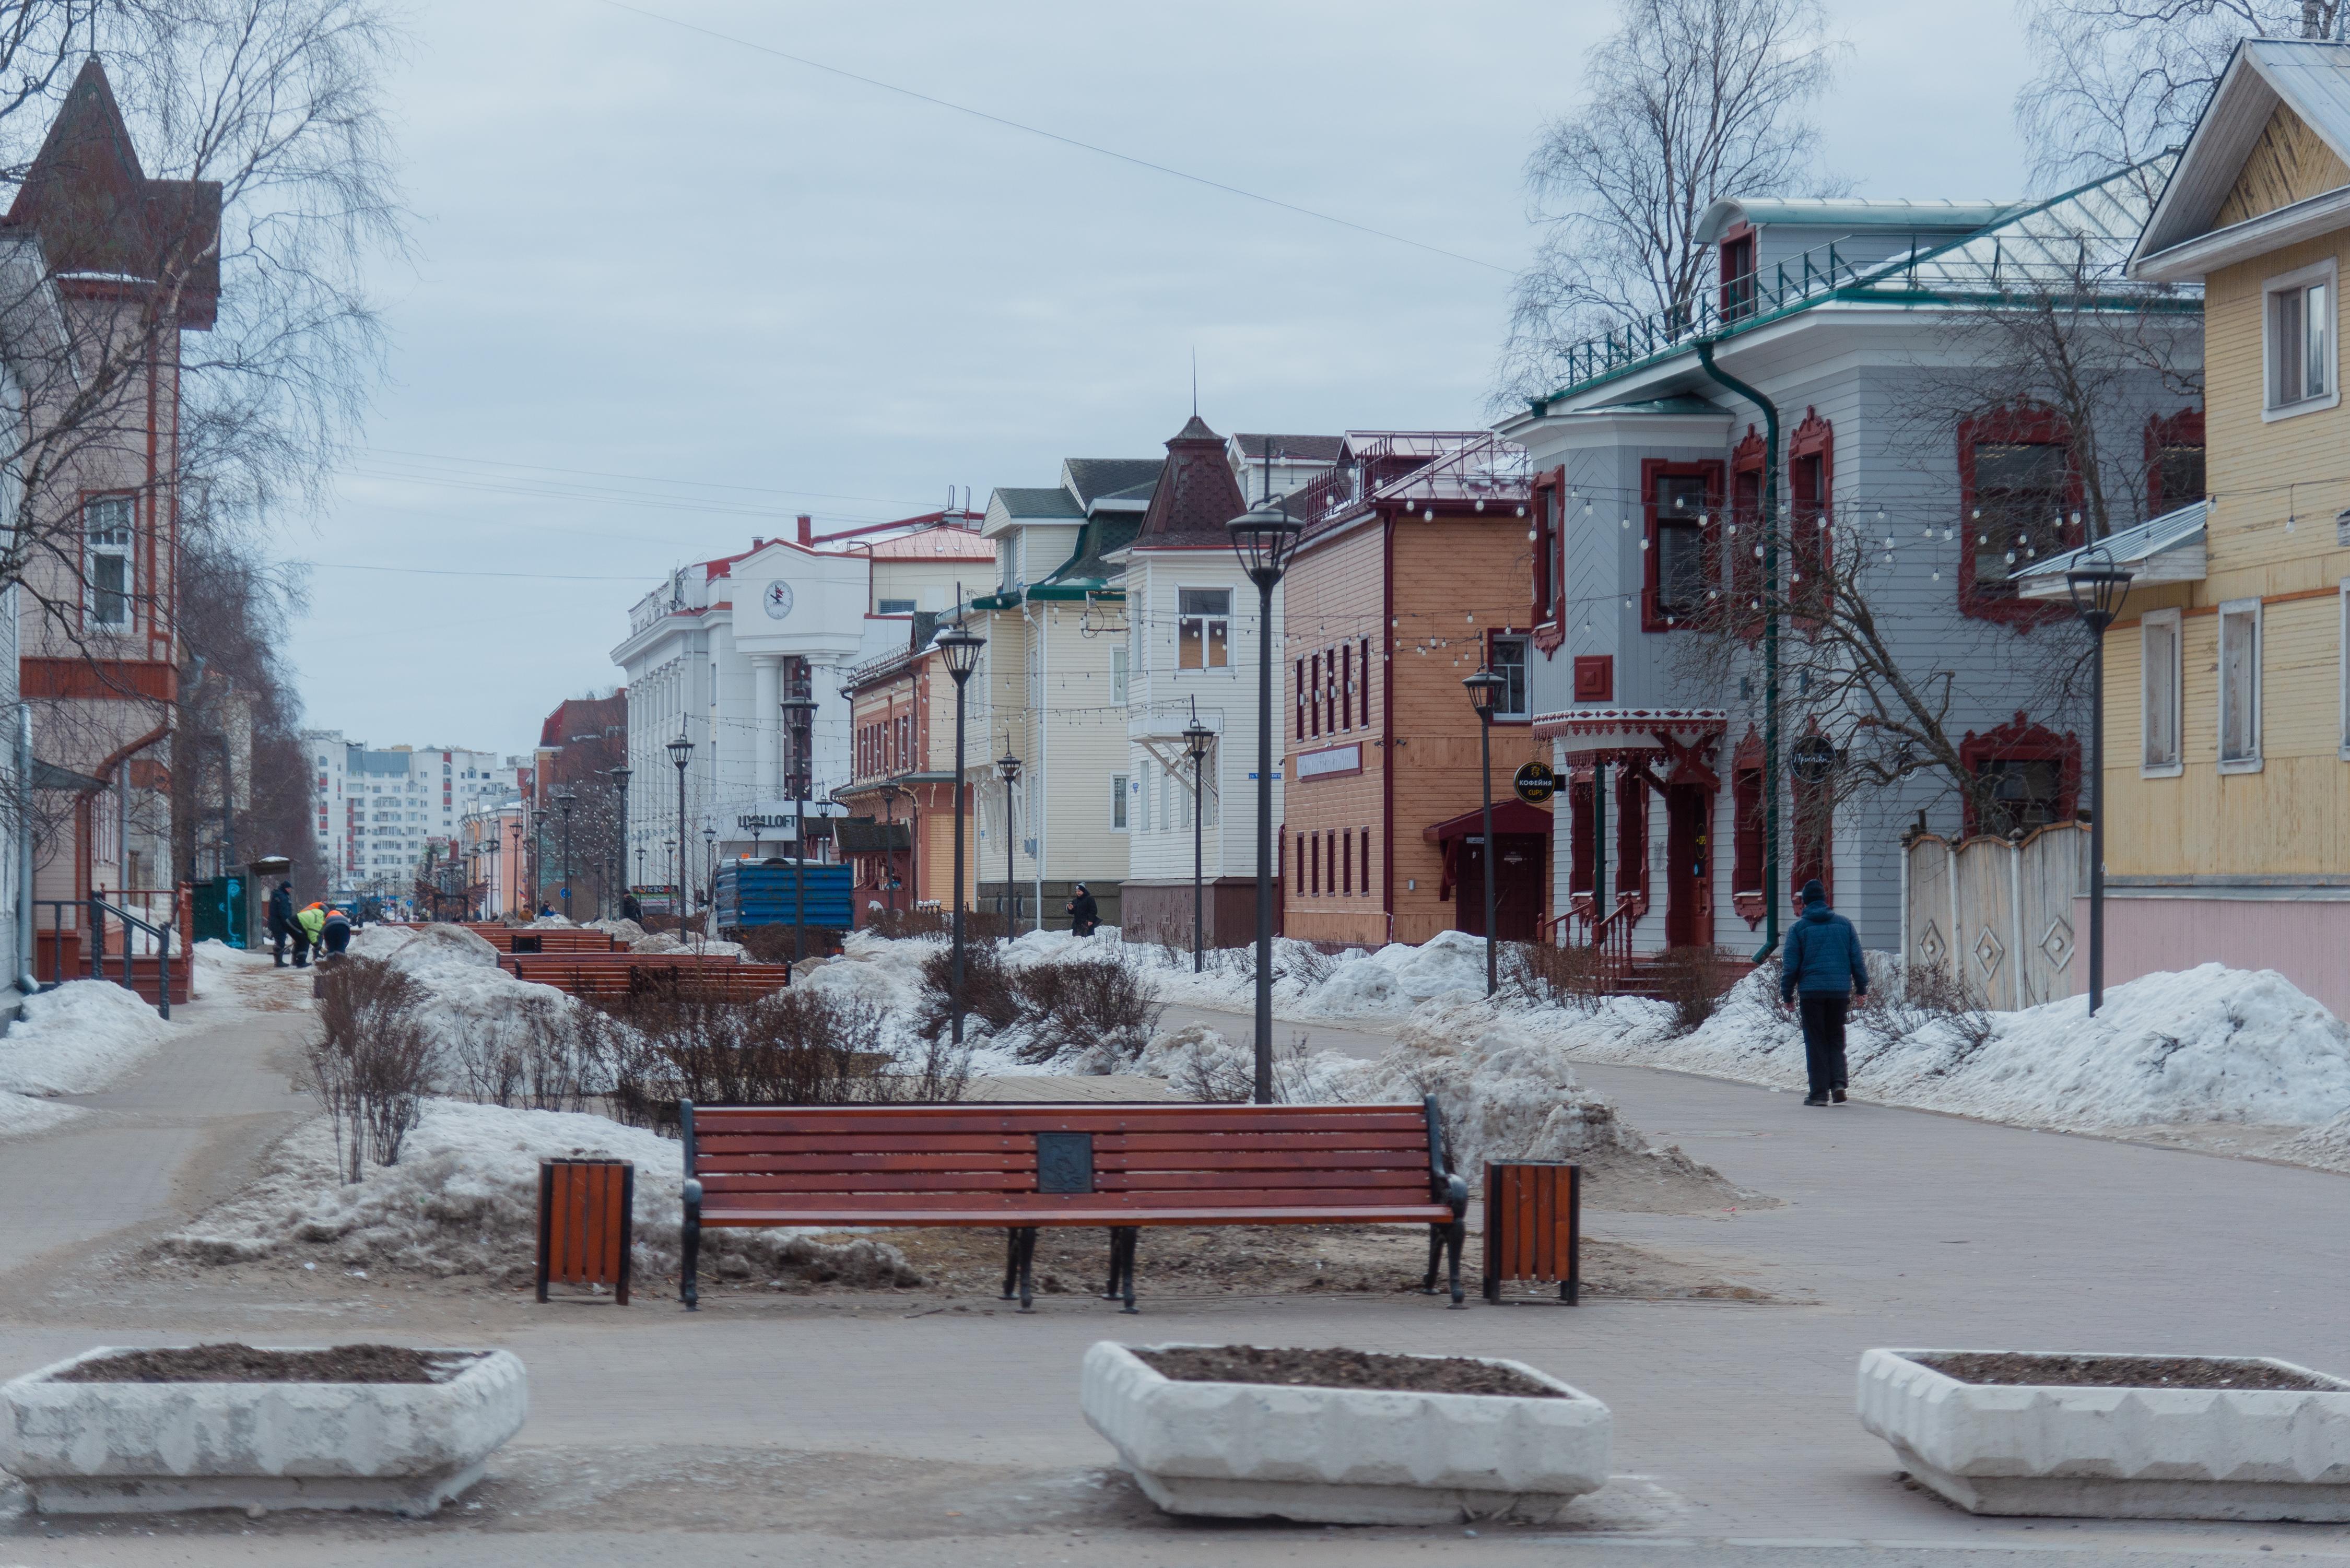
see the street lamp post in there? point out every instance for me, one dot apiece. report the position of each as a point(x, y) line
point(1263, 538)
point(681, 753)
point(2097, 587)
point(1483, 687)
point(962, 652)
point(1197, 739)
point(515, 829)
point(798, 708)
point(889, 794)
point(710, 859)
point(489, 900)
point(564, 800)
point(1007, 768)
point(621, 776)
point(668, 870)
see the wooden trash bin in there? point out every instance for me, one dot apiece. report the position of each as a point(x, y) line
point(586, 1214)
point(1533, 1226)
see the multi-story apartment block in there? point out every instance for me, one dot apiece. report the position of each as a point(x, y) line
point(378, 810)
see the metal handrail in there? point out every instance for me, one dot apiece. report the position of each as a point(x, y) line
point(99, 910)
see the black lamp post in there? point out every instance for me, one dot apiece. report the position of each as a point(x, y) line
point(1264, 538)
point(1197, 739)
point(889, 794)
point(962, 652)
point(1484, 688)
point(797, 710)
point(564, 799)
point(709, 860)
point(621, 775)
point(515, 829)
point(680, 752)
point(1007, 768)
point(677, 889)
point(490, 899)
point(2099, 587)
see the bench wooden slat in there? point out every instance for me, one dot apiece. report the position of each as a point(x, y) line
point(1008, 1154)
point(949, 1182)
point(1106, 1144)
point(996, 1219)
point(1014, 1203)
point(1058, 1118)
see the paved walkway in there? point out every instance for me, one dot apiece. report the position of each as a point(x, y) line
point(893, 1432)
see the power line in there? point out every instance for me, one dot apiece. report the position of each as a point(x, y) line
point(1056, 136)
point(642, 478)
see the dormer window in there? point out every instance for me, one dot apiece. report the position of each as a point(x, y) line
point(2300, 342)
point(1738, 276)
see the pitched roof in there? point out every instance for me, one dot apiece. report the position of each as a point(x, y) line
point(1092, 479)
point(2166, 549)
point(1295, 448)
point(2309, 77)
point(1101, 536)
point(1055, 502)
point(1855, 214)
point(101, 220)
point(1197, 494)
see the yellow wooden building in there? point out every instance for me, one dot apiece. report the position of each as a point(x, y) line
point(2227, 777)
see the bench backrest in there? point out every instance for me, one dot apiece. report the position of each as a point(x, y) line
point(1036, 1160)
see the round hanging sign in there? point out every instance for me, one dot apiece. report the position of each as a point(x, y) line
point(1535, 784)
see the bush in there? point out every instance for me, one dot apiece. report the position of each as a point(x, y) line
point(372, 1062)
point(1101, 1008)
point(987, 993)
point(1918, 997)
point(1543, 974)
point(791, 1048)
point(773, 944)
point(1690, 981)
point(534, 1058)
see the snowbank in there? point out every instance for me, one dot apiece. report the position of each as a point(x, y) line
point(626, 930)
point(463, 1200)
point(77, 1039)
point(472, 1000)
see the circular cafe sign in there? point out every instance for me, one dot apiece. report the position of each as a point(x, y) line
point(1535, 784)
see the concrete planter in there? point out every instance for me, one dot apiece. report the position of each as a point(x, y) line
point(1335, 1456)
point(158, 1448)
point(2115, 1453)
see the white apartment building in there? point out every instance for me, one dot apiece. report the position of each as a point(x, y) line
point(716, 646)
point(378, 809)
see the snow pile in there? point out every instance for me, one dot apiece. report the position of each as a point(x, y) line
point(472, 1002)
point(1507, 1094)
point(1309, 983)
point(552, 922)
point(463, 1200)
point(2208, 1045)
point(212, 962)
point(668, 942)
point(1201, 1063)
point(628, 931)
point(76, 1039)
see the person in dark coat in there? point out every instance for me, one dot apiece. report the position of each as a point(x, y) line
point(631, 909)
point(1085, 915)
point(335, 933)
point(281, 921)
point(1820, 971)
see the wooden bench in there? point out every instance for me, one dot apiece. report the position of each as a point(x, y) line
point(625, 974)
point(549, 939)
point(1023, 1167)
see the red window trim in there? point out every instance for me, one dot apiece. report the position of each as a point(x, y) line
point(1363, 688)
point(1547, 504)
point(1300, 699)
point(1748, 840)
point(1744, 579)
point(2000, 426)
point(2184, 428)
point(1815, 437)
point(1735, 302)
point(2022, 739)
point(1652, 469)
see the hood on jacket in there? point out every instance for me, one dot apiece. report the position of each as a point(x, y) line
point(1819, 914)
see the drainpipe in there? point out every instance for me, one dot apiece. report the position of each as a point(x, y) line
point(1772, 893)
point(26, 980)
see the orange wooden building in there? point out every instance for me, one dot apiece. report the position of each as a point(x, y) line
point(1411, 575)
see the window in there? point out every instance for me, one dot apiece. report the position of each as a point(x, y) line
point(1142, 795)
point(1298, 687)
point(1674, 570)
point(1810, 466)
point(2174, 462)
point(1204, 628)
point(106, 520)
point(894, 607)
point(1117, 676)
point(1738, 276)
point(1366, 860)
point(1363, 686)
point(1543, 536)
point(1117, 790)
point(1743, 533)
point(1347, 687)
point(2018, 483)
point(1316, 705)
point(1167, 789)
point(1505, 656)
point(1313, 882)
point(2299, 345)
point(1346, 864)
point(2158, 683)
point(2239, 686)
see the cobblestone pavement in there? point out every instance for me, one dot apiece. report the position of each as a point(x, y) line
point(881, 1430)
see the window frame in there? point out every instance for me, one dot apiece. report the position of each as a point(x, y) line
point(1121, 677)
point(1119, 814)
point(1523, 643)
point(1545, 511)
point(2300, 280)
point(127, 551)
point(2166, 433)
point(2171, 621)
point(2012, 427)
point(2343, 591)
point(1811, 542)
point(1207, 620)
point(1653, 615)
point(2230, 609)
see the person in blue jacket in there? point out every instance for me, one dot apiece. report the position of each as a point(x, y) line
point(1821, 967)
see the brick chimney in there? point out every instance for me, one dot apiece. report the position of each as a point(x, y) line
point(807, 529)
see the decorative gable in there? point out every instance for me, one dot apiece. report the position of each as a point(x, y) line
point(2289, 163)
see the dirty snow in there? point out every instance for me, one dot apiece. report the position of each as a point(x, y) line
point(472, 1000)
point(77, 1039)
point(463, 1200)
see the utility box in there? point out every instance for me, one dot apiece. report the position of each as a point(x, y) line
point(766, 893)
point(220, 911)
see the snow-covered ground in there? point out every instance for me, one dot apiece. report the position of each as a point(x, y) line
point(78, 1039)
point(463, 1200)
point(472, 1000)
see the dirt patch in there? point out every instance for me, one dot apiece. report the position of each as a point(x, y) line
point(2019, 1368)
point(1343, 1369)
point(249, 1364)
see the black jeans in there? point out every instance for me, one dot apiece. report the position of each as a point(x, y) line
point(277, 946)
point(1822, 1017)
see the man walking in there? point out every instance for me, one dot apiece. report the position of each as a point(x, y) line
point(1822, 967)
point(281, 921)
point(1085, 914)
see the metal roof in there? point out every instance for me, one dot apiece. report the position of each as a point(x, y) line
point(2168, 549)
point(1854, 213)
point(2311, 76)
point(1055, 502)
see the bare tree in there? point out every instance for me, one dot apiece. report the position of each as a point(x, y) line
point(1692, 100)
point(2122, 80)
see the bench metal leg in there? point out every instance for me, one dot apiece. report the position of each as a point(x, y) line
point(688, 1285)
point(1011, 1262)
point(1456, 1233)
point(1435, 1258)
point(1122, 1242)
point(1116, 1255)
point(1027, 1246)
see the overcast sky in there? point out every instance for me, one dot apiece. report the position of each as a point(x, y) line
point(669, 290)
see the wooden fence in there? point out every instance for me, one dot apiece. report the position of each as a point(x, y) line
point(1996, 914)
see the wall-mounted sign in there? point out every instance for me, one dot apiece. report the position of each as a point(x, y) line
point(1535, 784)
point(1329, 762)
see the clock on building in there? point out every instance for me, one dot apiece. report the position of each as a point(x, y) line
point(779, 600)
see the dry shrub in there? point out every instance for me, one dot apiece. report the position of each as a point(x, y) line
point(1100, 1006)
point(1922, 997)
point(1690, 981)
point(773, 944)
point(987, 990)
point(372, 1062)
point(1228, 1076)
point(897, 925)
point(534, 1058)
point(1543, 974)
point(789, 1048)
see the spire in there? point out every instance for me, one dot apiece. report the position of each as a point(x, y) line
point(1197, 494)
